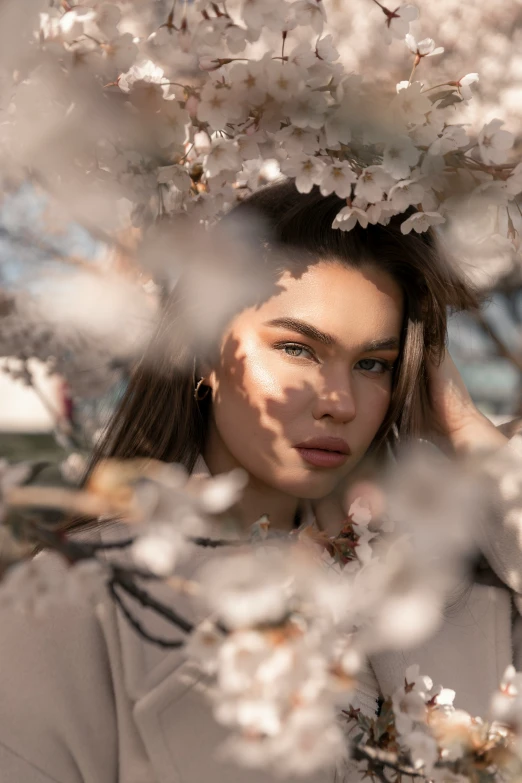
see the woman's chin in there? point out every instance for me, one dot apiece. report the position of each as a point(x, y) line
point(310, 485)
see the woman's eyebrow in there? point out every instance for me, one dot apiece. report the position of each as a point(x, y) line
point(307, 330)
point(304, 328)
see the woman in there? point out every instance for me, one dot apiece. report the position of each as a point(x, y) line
point(340, 357)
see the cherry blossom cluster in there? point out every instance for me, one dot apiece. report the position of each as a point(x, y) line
point(282, 623)
point(196, 131)
point(424, 733)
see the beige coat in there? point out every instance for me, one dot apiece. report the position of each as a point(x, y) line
point(83, 699)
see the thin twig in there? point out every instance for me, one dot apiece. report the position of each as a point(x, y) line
point(383, 758)
point(102, 545)
point(121, 578)
point(214, 542)
point(138, 627)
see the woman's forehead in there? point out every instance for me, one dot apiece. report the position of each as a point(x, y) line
point(346, 302)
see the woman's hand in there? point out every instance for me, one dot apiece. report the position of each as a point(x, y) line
point(457, 419)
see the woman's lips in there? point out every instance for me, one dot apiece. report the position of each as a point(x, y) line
point(321, 458)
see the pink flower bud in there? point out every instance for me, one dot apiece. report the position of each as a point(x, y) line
point(191, 105)
point(208, 63)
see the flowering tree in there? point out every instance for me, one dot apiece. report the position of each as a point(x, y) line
point(149, 111)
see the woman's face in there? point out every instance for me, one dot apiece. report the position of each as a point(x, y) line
point(312, 362)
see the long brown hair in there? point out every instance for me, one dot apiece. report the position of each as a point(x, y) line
point(158, 416)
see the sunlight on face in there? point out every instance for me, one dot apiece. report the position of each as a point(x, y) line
point(313, 361)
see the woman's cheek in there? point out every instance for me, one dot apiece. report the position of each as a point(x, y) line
point(269, 378)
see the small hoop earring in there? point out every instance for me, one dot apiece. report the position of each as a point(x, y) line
point(197, 396)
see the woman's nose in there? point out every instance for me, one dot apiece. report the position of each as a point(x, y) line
point(336, 399)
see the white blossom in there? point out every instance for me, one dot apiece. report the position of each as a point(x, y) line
point(359, 513)
point(421, 221)
point(445, 698)
point(249, 81)
point(514, 181)
point(310, 12)
point(160, 550)
point(223, 491)
point(338, 178)
point(294, 140)
point(307, 171)
point(283, 80)
point(423, 750)
point(506, 703)
point(248, 147)
point(372, 183)
point(380, 212)
point(337, 128)
point(408, 708)
point(122, 51)
point(303, 55)
point(244, 591)
point(203, 646)
point(464, 85)
point(424, 48)
point(258, 172)
point(326, 50)
point(348, 217)
point(202, 142)
point(422, 683)
point(410, 104)
point(405, 193)
point(174, 124)
point(238, 38)
point(145, 72)
point(494, 142)
point(453, 137)
point(429, 131)
point(175, 175)
point(307, 109)
point(400, 155)
point(217, 106)
point(108, 16)
point(73, 21)
point(311, 741)
point(277, 15)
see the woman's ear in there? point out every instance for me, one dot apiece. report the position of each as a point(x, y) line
point(206, 371)
point(203, 368)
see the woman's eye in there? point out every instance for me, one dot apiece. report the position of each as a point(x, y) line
point(374, 365)
point(295, 350)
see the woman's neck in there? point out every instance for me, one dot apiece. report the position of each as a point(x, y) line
point(258, 498)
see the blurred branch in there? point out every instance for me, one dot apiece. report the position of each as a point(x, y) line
point(37, 244)
point(502, 348)
point(138, 627)
point(379, 759)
